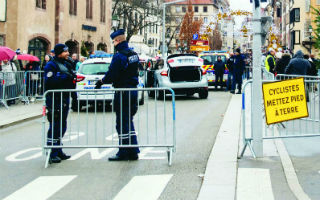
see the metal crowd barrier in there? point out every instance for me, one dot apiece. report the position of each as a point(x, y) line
point(266, 75)
point(34, 85)
point(304, 127)
point(92, 123)
point(11, 86)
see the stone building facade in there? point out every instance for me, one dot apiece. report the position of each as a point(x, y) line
point(35, 26)
point(203, 9)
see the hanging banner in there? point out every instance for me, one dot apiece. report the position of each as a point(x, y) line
point(285, 100)
point(3, 10)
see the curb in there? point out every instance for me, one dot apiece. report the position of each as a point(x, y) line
point(2, 126)
point(220, 178)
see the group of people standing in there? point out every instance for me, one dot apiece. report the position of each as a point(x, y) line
point(299, 64)
point(236, 66)
point(122, 73)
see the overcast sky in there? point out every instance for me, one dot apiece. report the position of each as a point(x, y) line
point(242, 5)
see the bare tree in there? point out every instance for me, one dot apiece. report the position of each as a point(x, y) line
point(215, 39)
point(135, 15)
point(189, 26)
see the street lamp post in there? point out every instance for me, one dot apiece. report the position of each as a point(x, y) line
point(164, 53)
point(310, 38)
point(115, 22)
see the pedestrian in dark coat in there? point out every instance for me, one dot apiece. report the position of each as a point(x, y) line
point(219, 67)
point(123, 73)
point(313, 69)
point(58, 74)
point(230, 63)
point(238, 69)
point(298, 65)
point(282, 63)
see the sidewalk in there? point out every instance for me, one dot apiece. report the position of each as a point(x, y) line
point(220, 180)
point(19, 113)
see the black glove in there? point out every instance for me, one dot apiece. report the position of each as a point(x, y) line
point(98, 84)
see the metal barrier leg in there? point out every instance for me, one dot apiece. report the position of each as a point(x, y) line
point(47, 158)
point(243, 150)
point(248, 143)
point(251, 149)
point(5, 104)
point(169, 153)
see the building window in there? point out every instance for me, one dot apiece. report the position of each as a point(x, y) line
point(196, 9)
point(178, 20)
point(89, 9)
point(196, 18)
point(318, 2)
point(73, 7)
point(205, 9)
point(205, 20)
point(295, 15)
point(103, 11)
point(2, 40)
point(178, 9)
point(184, 9)
point(41, 4)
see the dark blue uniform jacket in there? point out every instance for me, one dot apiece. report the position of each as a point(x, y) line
point(119, 73)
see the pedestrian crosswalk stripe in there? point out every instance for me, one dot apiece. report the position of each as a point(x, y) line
point(144, 187)
point(252, 182)
point(41, 188)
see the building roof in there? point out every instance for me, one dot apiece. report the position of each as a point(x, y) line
point(194, 2)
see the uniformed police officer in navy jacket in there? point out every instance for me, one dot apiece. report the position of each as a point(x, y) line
point(58, 75)
point(123, 73)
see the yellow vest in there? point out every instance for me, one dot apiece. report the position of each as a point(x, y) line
point(266, 64)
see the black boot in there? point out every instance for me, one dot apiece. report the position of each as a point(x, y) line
point(54, 159)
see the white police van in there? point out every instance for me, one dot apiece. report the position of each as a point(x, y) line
point(90, 71)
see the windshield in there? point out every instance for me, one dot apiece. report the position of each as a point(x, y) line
point(211, 59)
point(94, 68)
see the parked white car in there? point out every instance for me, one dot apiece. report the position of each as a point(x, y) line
point(90, 71)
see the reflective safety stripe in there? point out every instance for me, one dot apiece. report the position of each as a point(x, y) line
point(206, 67)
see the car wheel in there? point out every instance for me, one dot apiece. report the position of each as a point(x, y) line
point(203, 94)
point(160, 93)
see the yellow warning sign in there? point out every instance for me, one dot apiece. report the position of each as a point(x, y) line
point(285, 100)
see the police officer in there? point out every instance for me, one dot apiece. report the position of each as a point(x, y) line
point(238, 69)
point(123, 73)
point(58, 75)
point(219, 67)
point(230, 63)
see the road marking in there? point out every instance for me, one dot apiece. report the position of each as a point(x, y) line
point(150, 150)
point(252, 182)
point(144, 187)
point(14, 157)
point(289, 170)
point(41, 188)
point(94, 153)
point(69, 136)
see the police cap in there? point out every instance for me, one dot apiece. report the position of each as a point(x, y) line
point(117, 33)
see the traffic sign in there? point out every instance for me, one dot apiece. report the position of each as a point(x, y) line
point(195, 36)
point(199, 48)
point(285, 100)
point(199, 42)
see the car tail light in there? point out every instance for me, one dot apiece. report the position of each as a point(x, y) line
point(171, 61)
point(80, 78)
point(164, 73)
point(204, 72)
